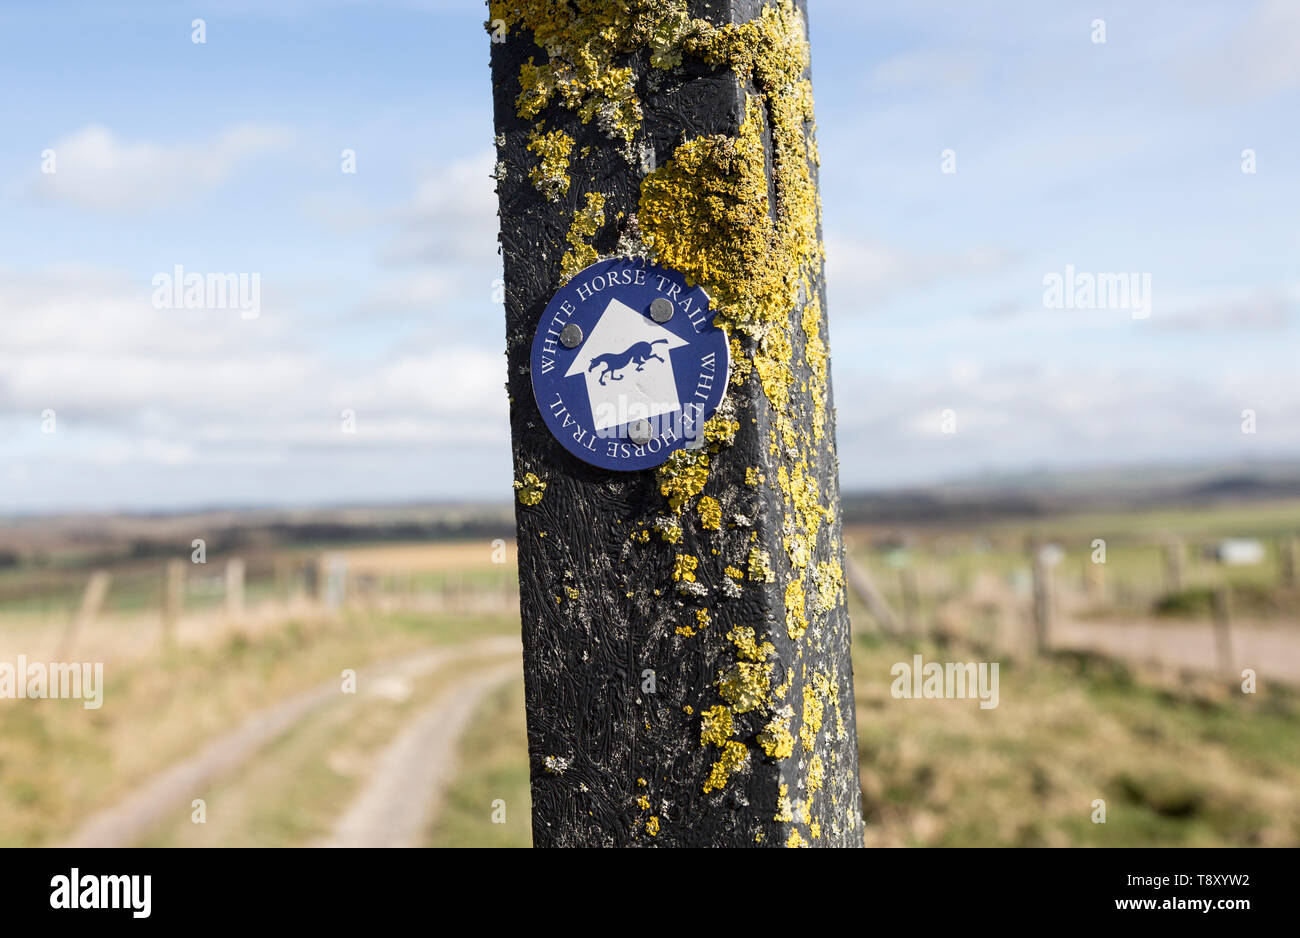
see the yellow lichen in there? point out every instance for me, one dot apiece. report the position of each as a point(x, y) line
point(829, 580)
point(652, 826)
point(733, 758)
point(745, 685)
point(670, 530)
point(812, 717)
point(796, 840)
point(586, 222)
point(682, 476)
point(684, 568)
point(529, 489)
point(710, 512)
point(551, 175)
point(816, 774)
point(784, 809)
point(796, 620)
point(715, 726)
point(747, 647)
point(760, 566)
point(776, 738)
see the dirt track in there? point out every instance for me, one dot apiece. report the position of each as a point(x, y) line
point(171, 792)
point(406, 785)
point(1273, 651)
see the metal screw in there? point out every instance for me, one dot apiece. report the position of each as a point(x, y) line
point(571, 335)
point(638, 431)
point(661, 310)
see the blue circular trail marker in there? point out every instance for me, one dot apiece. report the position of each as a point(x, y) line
point(630, 384)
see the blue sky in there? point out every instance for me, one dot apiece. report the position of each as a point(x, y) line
point(378, 287)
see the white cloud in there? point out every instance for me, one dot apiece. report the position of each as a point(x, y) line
point(943, 70)
point(441, 239)
point(864, 272)
point(97, 170)
point(179, 385)
point(451, 217)
point(1259, 58)
point(1013, 416)
point(1256, 310)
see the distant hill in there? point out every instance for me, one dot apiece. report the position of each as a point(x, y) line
point(1036, 494)
point(987, 498)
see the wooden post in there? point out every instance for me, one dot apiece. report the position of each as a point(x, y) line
point(173, 599)
point(1222, 611)
point(332, 577)
point(92, 600)
point(282, 590)
point(235, 590)
point(864, 587)
point(1094, 579)
point(1174, 562)
point(313, 579)
point(1289, 555)
point(910, 600)
point(686, 637)
point(1042, 598)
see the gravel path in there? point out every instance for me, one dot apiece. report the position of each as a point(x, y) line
point(405, 788)
point(171, 792)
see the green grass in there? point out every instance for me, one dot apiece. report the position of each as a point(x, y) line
point(494, 761)
point(1193, 766)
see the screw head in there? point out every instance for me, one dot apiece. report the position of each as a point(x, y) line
point(571, 335)
point(638, 431)
point(661, 310)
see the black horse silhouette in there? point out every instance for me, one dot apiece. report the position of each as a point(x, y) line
point(615, 362)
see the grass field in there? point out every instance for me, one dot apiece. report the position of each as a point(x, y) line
point(1195, 767)
point(1176, 760)
point(60, 762)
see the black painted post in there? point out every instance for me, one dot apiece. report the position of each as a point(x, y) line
point(686, 637)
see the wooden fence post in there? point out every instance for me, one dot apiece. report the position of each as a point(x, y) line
point(1042, 598)
point(235, 590)
point(92, 600)
point(910, 600)
point(864, 587)
point(173, 599)
point(686, 638)
point(1289, 554)
point(1222, 613)
point(332, 580)
point(1094, 579)
point(1175, 557)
